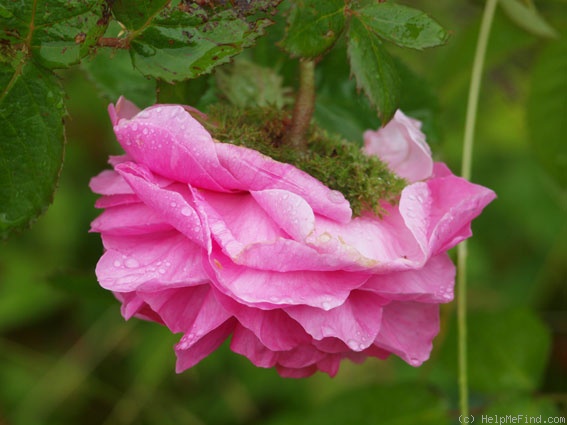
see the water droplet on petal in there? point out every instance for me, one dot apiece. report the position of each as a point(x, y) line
point(414, 361)
point(132, 263)
point(326, 305)
point(336, 197)
point(117, 263)
point(354, 345)
point(173, 204)
point(161, 270)
point(186, 211)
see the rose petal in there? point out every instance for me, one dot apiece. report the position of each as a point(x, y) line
point(408, 329)
point(356, 322)
point(401, 144)
point(273, 328)
point(191, 350)
point(150, 262)
point(268, 289)
point(129, 219)
point(431, 284)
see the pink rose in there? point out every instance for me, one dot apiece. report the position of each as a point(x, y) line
point(401, 144)
point(212, 240)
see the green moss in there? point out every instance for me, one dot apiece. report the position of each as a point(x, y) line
point(364, 180)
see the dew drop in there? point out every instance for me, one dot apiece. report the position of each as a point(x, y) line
point(414, 361)
point(161, 270)
point(354, 345)
point(326, 305)
point(327, 331)
point(186, 211)
point(145, 131)
point(135, 126)
point(336, 197)
point(117, 263)
point(132, 263)
point(173, 204)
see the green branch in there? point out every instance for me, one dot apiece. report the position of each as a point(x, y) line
point(468, 143)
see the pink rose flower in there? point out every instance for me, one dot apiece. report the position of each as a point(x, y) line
point(402, 145)
point(212, 240)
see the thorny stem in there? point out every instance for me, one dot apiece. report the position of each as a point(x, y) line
point(304, 106)
point(472, 107)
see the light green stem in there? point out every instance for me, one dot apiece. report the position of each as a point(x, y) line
point(472, 107)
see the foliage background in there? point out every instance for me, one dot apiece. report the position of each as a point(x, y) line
point(66, 355)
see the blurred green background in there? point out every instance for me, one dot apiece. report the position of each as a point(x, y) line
point(67, 356)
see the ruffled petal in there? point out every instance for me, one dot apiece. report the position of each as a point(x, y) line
point(130, 219)
point(275, 329)
point(171, 143)
point(150, 262)
point(193, 348)
point(356, 322)
point(408, 329)
point(401, 144)
point(431, 284)
point(268, 289)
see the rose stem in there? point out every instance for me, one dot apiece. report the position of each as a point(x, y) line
point(472, 107)
point(304, 105)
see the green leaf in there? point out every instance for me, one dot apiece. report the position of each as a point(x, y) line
point(113, 74)
point(185, 40)
point(57, 33)
point(339, 108)
point(419, 101)
point(528, 18)
point(135, 14)
point(248, 85)
point(313, 27)
point(402, 25)
point(546, 117)
point(199, 92)
point(374, 69)
point(405, 404)
point(31, 143)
